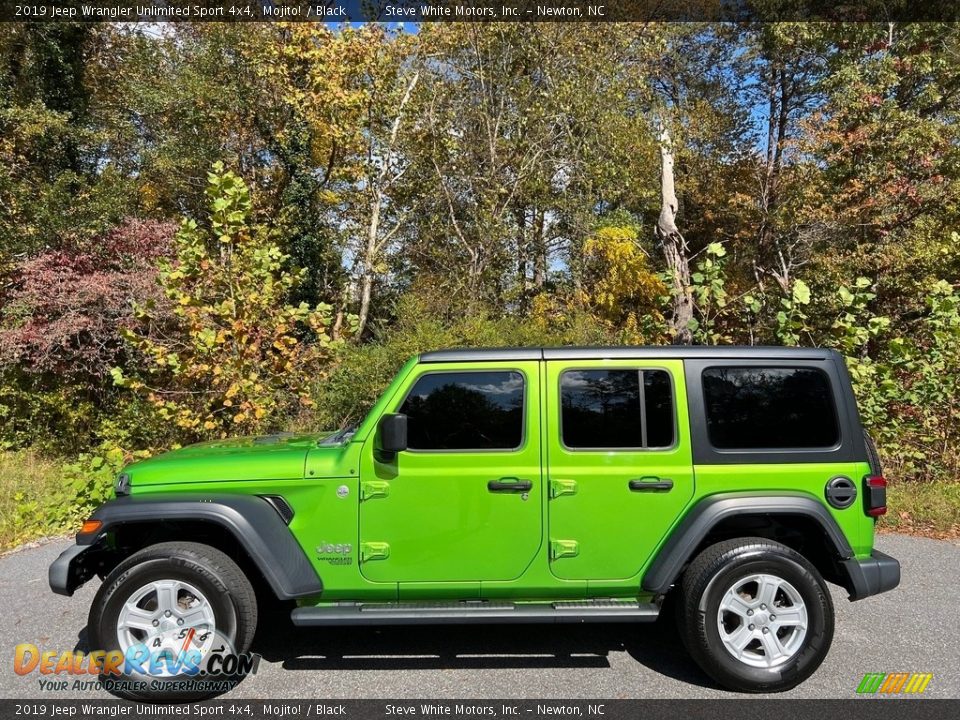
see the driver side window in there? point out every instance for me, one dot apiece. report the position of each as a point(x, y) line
point(470, 410)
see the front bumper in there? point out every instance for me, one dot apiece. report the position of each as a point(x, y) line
point(872, 576)
point(74, 566)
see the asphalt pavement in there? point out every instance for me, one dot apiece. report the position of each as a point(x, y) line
point(915, 628)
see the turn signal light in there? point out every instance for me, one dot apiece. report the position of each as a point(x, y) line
point(90, 526)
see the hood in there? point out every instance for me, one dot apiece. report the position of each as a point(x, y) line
point(252, 443)
point(263, 457)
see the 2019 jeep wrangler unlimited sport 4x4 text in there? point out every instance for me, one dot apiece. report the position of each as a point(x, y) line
point(520, 485)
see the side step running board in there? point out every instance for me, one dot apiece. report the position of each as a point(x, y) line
point(464, 613)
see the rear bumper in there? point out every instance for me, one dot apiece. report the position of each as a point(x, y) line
point(872, 576)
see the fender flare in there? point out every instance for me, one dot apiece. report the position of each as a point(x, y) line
point(686, 537)
point(252, 521)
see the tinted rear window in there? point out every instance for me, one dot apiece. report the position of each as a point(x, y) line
point(769, 408)
point(465, 411)
point(616, 409)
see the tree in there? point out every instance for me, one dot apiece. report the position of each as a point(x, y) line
point(529, 134)
point(389, 84)
point(789, 61)
point(234, 354)
point(61, 325)
point(887, 145)
point(53, 187)
point(674, 247)
point(620, 288)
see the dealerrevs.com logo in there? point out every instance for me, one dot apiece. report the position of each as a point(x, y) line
point(202, 662)
point(902, 683)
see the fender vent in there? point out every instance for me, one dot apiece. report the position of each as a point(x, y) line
point(281, 506)
point(840, 492)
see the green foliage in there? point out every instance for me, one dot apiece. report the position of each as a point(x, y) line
point(710, 296)
point(907, 388)
point(88, 481)
point(42, 496)
point(26, 406)
point(931, 508)
point(29, 487)
point(851, 334)
point(237, 355)
point(925, 413)
point(791, 318)
point(423, 324)
point(52, 186)
point(856, 325)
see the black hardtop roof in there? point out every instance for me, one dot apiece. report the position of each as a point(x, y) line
point(680, 352)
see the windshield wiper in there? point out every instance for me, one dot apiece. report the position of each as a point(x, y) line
point(339, 436)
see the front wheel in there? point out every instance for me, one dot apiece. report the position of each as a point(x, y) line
point(167, 610)
point(755, 615)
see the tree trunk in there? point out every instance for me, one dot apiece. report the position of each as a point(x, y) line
point(343, 304)
point(369, 258)
point(522, 251)
point(674, 246)
point(778, 116)
point(380, 183)
point(540, 252)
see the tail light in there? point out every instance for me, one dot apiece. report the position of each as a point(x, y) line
point(875, 495)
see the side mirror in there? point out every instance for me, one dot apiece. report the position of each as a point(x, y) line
point(393, 434)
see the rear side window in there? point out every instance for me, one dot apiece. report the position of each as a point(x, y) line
point(769, 408)
point(616, 409)
point(465, 411)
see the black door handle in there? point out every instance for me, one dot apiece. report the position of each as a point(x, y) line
point(510, 485)
point(652, 484)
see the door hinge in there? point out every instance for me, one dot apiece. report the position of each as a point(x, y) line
point(374, 551)
point(563, 548)
point(374, 489)
point(562, 487)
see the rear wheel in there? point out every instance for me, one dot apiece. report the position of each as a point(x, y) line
point(167, 608)
point(755, 615)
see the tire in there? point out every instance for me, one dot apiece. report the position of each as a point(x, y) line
point(722, 613)
point(180, 570)
point(873, 457)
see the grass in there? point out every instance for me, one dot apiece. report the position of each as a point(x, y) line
point(931, 509)
point(29, 485)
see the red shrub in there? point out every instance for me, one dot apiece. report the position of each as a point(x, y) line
point(66, 307)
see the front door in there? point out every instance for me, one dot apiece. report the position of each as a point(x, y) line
point(463, 502)
point(620, 469)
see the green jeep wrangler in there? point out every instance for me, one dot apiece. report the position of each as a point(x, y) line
point(558, 485)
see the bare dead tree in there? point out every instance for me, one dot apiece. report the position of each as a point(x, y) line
point(380, 184)
point(673, 245)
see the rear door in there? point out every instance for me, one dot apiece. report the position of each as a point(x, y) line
point(619, 463)
point(463, 503)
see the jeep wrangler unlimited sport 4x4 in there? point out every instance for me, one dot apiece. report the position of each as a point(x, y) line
point(520, 485)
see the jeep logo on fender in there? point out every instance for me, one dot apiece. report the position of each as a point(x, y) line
point(334, 549)
point(335, 553)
